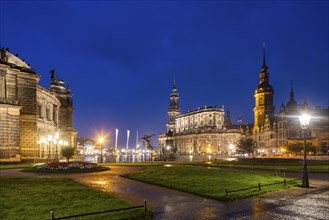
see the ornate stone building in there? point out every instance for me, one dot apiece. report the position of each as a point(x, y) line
point(272, 134)
point(198, 132)
point(264, 109)
point(204, 131)
point(31, 115)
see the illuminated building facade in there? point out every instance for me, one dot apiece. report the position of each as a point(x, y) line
point(204, 131)
point(198, 132)
point(264, 109)
point(31, 115)
point(272, 134)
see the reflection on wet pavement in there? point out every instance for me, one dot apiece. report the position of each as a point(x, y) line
point(298, 203)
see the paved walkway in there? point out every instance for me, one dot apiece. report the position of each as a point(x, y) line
point(299, 203)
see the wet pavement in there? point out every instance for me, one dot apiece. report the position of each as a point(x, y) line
point(298, 203)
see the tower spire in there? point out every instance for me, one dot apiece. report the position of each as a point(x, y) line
point(173, 110)
point(264, 46)
point(291, 86)
point(292, 104)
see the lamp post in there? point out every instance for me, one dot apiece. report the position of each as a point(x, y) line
point(49, 138)
point(56, 145)
point(38, 144)
point(61, 143)
point(304, 121)
point(101, 140)
point(232, 149)
point(42, 142)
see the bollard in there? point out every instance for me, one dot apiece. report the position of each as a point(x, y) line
point(145, 205)
point(52, 215)
point(284, 182)
point(259, 188)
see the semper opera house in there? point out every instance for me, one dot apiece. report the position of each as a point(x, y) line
point(35, 122)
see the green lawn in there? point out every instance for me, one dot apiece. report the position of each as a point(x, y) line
point(208, 182)
point(34, 198)
point(295, 166)
point(280, 165)
point(15, 166)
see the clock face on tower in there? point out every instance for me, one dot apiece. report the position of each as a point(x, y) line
point(261, 100)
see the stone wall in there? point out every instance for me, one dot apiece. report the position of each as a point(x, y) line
point(28, 135)
point(27, 98)
point(9, 131)
point(27, 93)
point(217, 143)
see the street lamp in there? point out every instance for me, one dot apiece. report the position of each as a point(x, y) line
point(232, 148)
point(61, 143)
point(42, 142)
point(101, 140)
point(304, 120)
point(49, 138)
point(56, 150)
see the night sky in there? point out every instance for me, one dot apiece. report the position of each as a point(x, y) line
point(120, 58)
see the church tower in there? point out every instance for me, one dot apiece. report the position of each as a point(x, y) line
point(263, 98)
point(228, 122)
point(292, 104)
point(63, 94)
point(173, 110)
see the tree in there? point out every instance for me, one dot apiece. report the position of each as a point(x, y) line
point(68, 153)
point(324, 149)
point(297, 148)
point(246, 145)
point(147, 141)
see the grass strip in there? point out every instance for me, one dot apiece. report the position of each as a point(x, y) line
point(209, 182)
point(281, 166)
point(15, 166)
point(34, 198)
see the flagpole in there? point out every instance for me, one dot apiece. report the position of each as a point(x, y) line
point(128, 132)
point(137, 141)
point(116, 139)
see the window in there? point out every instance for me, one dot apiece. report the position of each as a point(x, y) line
point(48, 113)
point(39, 109)
point(2, 87)
point(54, 113)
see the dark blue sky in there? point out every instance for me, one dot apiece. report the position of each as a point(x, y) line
point(120, 57)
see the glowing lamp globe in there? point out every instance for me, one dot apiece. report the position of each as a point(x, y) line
point(304, 120)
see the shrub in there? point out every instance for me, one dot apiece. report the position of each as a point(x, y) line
point(68, 152)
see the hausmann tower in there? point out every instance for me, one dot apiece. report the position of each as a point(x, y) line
point(263, 99)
